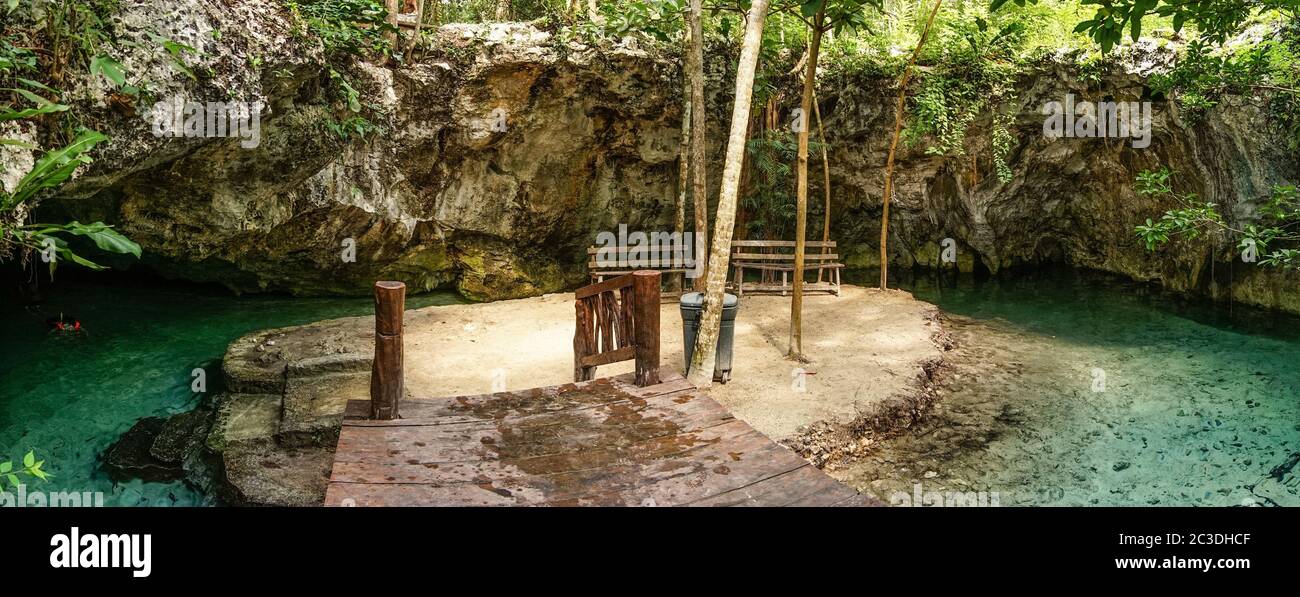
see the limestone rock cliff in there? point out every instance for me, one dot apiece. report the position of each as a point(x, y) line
point(446, 195)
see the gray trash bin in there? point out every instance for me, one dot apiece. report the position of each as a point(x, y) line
point(692, 306)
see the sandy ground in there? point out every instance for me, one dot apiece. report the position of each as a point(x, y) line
point(861, 347)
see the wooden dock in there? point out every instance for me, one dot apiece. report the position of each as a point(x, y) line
point(604, 442)
point(649, 438)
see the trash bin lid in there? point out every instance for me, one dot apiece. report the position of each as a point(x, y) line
point(696, 300)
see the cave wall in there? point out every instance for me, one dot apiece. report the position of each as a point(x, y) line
point(441, 198)
point(1069, 200)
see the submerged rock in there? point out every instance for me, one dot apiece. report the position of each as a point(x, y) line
point(131, 456)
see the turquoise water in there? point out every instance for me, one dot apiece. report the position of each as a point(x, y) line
point(1081, 389)
point(70, 398)
point(1200, 403)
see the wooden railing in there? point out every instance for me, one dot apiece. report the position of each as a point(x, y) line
point(386, 385)
point(618, 320)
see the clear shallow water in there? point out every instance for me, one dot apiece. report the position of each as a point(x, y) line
point(1200, 403)
point(1080, 389)
point(70, 398)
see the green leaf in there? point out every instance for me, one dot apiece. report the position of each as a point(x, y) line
point(1136, 31)
point(30, 112)
point(79, 260)
point(43, 106)
point(56, 166)
point(996, 4)
point(31, 97)
point(29, 460)
point(105, 237)
point(111, 69)
point(17, 143)
point(6, 467)
point(1081, 27)
point(37, 85)
point(13, 480)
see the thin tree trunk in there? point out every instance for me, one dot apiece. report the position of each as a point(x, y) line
point(899, 106)
point(704, 359)
point(826, 184)
point(795, 348)
point(699, 140)
point(503, 10)
point(419, 24)
point(683, 174)
point(392, 7)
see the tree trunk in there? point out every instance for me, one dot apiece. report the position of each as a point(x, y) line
point(392, 8)
point(704, 359)
point(795, 349)
point(826, 184)
point(683, 174)
point(899, 106)
point(503, 10)
point(419, 24)
point(699, 140)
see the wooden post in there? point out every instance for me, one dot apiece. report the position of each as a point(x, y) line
point(386, 387)
point(645, 290)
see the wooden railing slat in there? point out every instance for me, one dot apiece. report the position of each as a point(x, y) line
point(607, 285)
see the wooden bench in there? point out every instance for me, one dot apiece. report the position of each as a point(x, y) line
point(670, 262)
point(772, 256)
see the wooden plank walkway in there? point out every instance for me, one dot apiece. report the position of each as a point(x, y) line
point(604, 442)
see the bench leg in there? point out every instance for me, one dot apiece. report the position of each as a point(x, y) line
point(785, 282)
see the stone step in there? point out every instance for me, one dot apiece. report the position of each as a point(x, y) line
point(243, 418)
point(314, 405)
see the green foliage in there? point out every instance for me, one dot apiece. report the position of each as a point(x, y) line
point(770, 204)
point(30, 467)
point(1205, 74)
point(176, 52)
point(14, 58)
point(1216, 20)
point(1278, 221)
point(51, 170)
point(659, 19)
point(974, 70)
point(356, 127)
point(344, 27)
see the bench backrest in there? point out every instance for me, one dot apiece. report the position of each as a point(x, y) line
point(675, 256)
point(781, 250)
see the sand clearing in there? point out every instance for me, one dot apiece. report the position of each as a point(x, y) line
point(862, 347)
